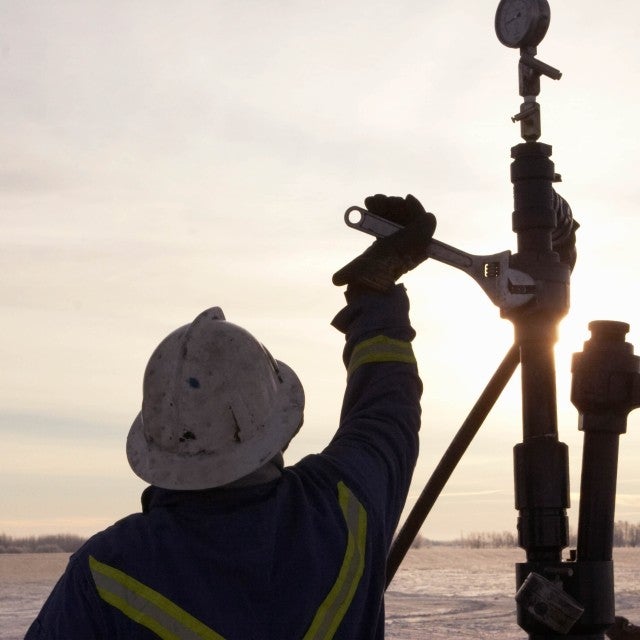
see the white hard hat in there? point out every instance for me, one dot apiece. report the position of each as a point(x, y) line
point(216, 406)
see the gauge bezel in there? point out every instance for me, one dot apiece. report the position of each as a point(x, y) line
point(539, 17)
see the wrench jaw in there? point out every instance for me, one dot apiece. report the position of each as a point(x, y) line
point(506, 287)
point(550, 291)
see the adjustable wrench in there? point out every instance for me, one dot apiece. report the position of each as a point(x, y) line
point(506, 287)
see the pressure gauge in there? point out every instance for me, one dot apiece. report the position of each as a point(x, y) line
point(522, 23)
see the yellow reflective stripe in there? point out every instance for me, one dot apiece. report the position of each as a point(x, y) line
point(335, 605)
point(146, 606)
point(380, 349)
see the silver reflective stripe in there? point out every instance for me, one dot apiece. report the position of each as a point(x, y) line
point(146, 606)
point(380, 349)
point(336, 604)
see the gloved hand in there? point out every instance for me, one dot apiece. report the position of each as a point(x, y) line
point(563, 237)
point(392, 256)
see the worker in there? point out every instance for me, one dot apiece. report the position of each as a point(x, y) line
point(230, 543)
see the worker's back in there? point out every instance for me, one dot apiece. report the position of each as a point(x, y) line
point(301, 555)
point(297, 557)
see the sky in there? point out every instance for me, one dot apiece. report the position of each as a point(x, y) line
point(159, 158)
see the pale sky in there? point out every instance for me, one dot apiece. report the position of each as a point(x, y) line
point(159, 158)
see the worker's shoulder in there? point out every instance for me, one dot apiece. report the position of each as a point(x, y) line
point(319, 476)
point(108, 544)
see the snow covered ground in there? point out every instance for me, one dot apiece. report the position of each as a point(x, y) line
point(439, 592)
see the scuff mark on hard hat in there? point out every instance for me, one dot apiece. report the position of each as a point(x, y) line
point(236, 426)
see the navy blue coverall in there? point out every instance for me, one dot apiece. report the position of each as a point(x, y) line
point(300, 557)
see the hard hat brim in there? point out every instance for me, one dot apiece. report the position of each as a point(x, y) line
point(216, 468)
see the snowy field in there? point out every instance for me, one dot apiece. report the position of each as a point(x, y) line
point(443, 593)
point(439, 593)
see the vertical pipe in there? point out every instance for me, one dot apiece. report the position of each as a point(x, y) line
point(597, 496)
point(539, 414)
point(605, 387)
point(540, 461)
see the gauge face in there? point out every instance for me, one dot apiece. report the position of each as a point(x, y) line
point(521, 23)
point(513, 20)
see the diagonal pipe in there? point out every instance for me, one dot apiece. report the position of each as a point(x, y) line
point(450, 460)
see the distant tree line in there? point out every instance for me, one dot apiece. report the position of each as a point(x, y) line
point(489, 540)
point(61, 543)
point(625, 534)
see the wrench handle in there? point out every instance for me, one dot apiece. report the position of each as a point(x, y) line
point(363, 220)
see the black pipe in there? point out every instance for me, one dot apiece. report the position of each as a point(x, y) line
point(449, 461)
point(540, 462)
point(605, 388)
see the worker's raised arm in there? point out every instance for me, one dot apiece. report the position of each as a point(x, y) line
point(380, 419)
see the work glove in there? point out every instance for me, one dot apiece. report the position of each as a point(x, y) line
point(563, 237)
point(392, 256)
